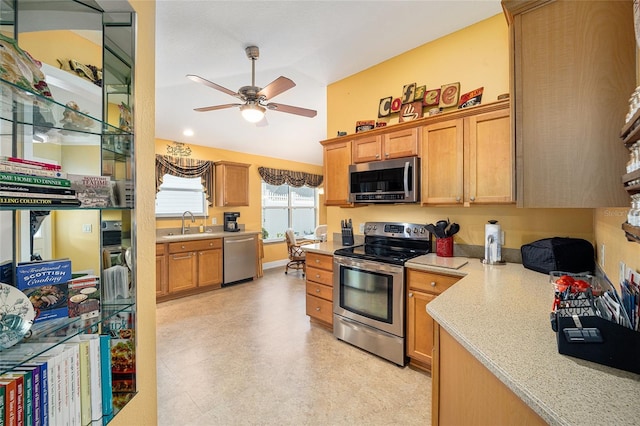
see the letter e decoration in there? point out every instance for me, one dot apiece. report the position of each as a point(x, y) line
point(449, 94)
point(431, 98)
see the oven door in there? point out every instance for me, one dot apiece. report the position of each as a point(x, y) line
point(371, 293)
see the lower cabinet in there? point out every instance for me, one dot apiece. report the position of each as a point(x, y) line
point(161, 271)
point(191, 266)
point(423, 288)
point(465, 392)
point(320, 288)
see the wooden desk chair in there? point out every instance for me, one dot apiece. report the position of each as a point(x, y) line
point(297, 257)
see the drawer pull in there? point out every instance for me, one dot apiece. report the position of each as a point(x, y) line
point(433, 283)
point(317, 275)
point(317, 290)
point(410, 294)
point(318, 308)
point(188, 256)
point(317, 260)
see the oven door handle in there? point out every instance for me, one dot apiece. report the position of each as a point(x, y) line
point(368, 265)
point(406, 180)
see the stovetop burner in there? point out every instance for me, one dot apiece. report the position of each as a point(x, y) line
point(393, 243)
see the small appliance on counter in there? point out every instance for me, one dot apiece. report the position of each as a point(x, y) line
point(493, 240)
point(230, 221)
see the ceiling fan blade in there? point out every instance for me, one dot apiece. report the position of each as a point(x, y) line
point(215, 107)
point(292, 109)
point(211, 84)
point(277, 86)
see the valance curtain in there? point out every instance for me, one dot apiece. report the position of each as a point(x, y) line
point(295, 179)
point(186, 168)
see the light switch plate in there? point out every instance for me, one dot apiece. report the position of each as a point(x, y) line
point(86, 228)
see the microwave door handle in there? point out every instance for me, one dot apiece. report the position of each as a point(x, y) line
point(406, 180)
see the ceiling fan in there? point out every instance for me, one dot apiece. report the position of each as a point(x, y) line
point(255, 98)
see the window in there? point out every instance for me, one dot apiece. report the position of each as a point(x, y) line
point(177, 194)
point(284, 206)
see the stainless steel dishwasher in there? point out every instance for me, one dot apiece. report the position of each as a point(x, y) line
point(239, 253)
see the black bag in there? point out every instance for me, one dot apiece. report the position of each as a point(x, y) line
point(559, 254)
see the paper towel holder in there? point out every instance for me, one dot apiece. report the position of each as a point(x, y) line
point(489, 240)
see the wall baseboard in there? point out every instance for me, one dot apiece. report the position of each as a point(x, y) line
point(275, 264)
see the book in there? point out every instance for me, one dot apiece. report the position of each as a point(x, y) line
point(36, 391)
point(34, 180)
point(35, 189)
point(24, 161)
point(3, 410)
point(93, 191)
point(45, 284)
point(8, 167)
point(18, 405)
point(26, 384)
point(84, 297)
point(72, 379)
point(11, 409)
point(37, 195)
point(95, 385)
point(37, 202)
point(106, 376)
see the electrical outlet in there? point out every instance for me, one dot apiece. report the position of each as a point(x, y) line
point(361, 228)
point(601, 257)
point(86, 228)
point(214, 221)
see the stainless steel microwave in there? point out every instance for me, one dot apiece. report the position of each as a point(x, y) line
point(388, 181)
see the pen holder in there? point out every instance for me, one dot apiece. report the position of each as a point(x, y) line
point(347, 237)
point(444, 247)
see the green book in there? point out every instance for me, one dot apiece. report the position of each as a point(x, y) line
point(2, 406)
point(34, 180)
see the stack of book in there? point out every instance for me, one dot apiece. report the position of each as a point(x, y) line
point(33, 183)
point(67, 384)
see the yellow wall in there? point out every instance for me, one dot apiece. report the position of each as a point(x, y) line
point(49, 46)
point(250, 216)
point(476, 56)
point(142, 410)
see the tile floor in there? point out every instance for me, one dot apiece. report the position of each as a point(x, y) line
point(247, 354)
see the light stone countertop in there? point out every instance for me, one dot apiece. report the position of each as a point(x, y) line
point(163, 237)
point(327, 247)
point(500, 314)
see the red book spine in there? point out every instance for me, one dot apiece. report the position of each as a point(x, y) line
point(46, 166)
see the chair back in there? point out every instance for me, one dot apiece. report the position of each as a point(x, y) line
point(290, 236)
point(321, 232)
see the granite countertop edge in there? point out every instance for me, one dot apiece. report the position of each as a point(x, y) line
point(165, 238)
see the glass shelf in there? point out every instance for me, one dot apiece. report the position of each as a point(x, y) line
point(48, 116)
point(45, 336)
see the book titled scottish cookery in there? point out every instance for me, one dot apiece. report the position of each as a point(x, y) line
point(93, 191)
point(45, 284)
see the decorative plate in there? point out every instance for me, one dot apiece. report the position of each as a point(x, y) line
point(16, 315)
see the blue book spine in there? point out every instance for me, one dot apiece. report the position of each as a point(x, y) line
point(105, 361)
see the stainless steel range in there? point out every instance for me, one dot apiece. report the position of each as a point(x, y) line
point(369, 287)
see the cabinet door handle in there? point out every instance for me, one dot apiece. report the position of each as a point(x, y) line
point(472, 198)
point(458, 199)
point(188, 256)
point(433, 283)
point(386, 154)
point(377, 155)
point(317, 260)
point(410, 294)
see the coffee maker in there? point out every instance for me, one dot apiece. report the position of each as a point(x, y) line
point(230, 224)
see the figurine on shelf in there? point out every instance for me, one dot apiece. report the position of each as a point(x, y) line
point(125, 117)
point(19, 68)
point(88, 72)
point(74, 120)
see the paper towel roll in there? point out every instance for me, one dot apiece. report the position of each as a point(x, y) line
point(492, 242)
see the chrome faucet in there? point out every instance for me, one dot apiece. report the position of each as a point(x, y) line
point(193, 219)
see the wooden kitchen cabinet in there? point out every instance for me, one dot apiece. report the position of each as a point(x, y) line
point(573, 70)
point(231, 184)
point(423, 288)
point(319, 287)
point(161, 271)
point(465, 392)
point(469, 159)
point(336, 162)
point(386, 146)
point(193, 266)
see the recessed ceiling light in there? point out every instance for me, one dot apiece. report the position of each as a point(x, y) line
point(188, 132)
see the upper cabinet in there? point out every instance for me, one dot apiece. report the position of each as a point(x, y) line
point(386, 146)
point(337, 159)
point(469, 159)
point(231, 184)
point(573, 69)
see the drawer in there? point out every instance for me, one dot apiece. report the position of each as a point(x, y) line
point(195, 245)
point(430, 282)
point(321, 261)
point(321, 276)
point(320, 309)
point(160, 249)
point(320, 290)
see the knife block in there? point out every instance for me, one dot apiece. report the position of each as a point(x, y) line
point(347, 237)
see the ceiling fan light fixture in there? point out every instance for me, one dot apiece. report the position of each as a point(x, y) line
point(252, 112)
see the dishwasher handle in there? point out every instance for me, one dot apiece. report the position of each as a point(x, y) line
point(235, 241)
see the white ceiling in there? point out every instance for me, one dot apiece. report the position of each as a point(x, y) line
point(314, 43)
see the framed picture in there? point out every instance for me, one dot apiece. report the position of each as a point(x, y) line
point(408, 93)
point(410, 111)
point(384, 108)
point(363, 126)
point(431, 98)
point(449, 94)
point(472, 98)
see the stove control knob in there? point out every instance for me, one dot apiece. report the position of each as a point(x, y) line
point(423, 230)
point(415, 230)
point(408, 231)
